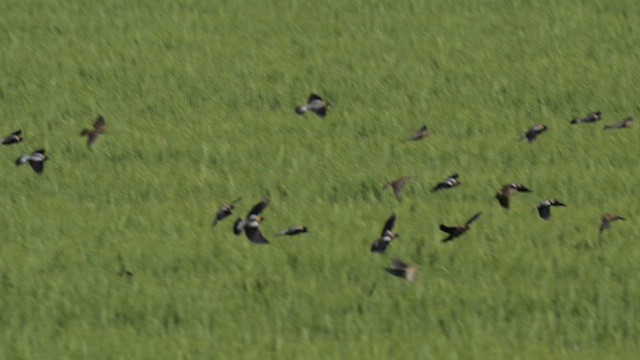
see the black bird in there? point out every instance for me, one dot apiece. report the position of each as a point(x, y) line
point(544, 208)
point(451, 181)
point(380, 246)
point(14, 138)
point(607, 219)
point(624, 124)
point(225, 210)
point(99, 127)
point(293, 231)
point(36, 160)
point(533, 133)
point(315, 104)
point(398, 184)
point(420, 134)
point(251, 223)
point(400, 269)
point(590, 118)
point(455, 231)
point(509, 190)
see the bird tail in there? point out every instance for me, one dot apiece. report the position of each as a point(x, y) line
point(21, 160)
point(575, 121)
point(301, 110)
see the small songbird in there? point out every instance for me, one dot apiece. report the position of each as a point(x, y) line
point(420, 134)
point(251, 223)
point(398, 184)
point(400, 269)
point(590, 118)
point(451, 181)
point(99, 127)
point(36, 160)
point(225, 211)
point(293, 231)
point(544, 208)
point(14, 138)
point(380, 245)
point(315, 104)
point(624, 124)
point(533, 133)
point(509, 190)
point(455, 231)
point(607, 219)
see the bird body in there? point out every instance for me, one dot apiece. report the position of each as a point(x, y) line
point(315, 104)
point(624, 124)
point(607, 219)
point(509, 190)
point(250, 225)
point(14, 138)
point(455, 231)
point(225, 211)
point(590, 118)
point(380, 245)
point(99, 127)
point(398, 184)
point(293, 231)
point(36, 160)
point(420, 134)
point(400, 269)
point(534, 131)
point(544, 208)
point(451, 181)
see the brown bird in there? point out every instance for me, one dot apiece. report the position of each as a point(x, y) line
point(607, 219)
point(533, 133)
point(36, 160)
point(624, 124)
point(293, 231)
point(251, 223)
point(380, 245)
point(99, 127)
point(451, 181)
point(315, 104)
point(509, 190)
point(544, 208)
point(398, 184)
point(225, 211)
point(400, 269)
point(14, 138)
point(420, 134)
point(590, 118)
point(455, 231)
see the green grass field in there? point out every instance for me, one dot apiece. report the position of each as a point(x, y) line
point(199, 97)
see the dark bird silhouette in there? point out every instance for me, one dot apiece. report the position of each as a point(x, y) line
point(590, 118)
point(315, 104)
point(400, 269)
point(293, 231)
point(99, 127)
point(420, 134)
point(508, 191)
point(398, 184)
point(380, 245)
point(455, 231)
point(124, 272)
point(534, 131)
point(624, 124)
point(544, 208)
point(451, 181)
point(14, 138)
point(251, 223)
point(607, 219)
point(225, 211)
point(36, 160)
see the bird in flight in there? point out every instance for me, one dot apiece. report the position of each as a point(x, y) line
point(401, 269)
point(99, 127)
point(455, 231)
point(420, 134)
point(451, 181)
point(14, 138)
point(624, 124)
point(590, 118)
point(508, 191)
point(607, 219)
point(293, 231)
point(398, 184)
point(36, 160)
point(250, 225)
point(534, 131)
point(225, 211)
point(544, 208)
point(315, 104)
point(380, 245)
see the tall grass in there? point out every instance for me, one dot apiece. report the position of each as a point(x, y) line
point(199, 96)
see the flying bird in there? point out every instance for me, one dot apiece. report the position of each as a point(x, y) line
point(293, 231)
point(251, 223)
point(508, 191)
point(380, 245)
point(607, 219)
point(225, 211)
point(99, 127)
point(451, 181)
point(14, 138)
point(420, 134)
point(624, 124)
point(455, 231)
point(534, 131)
point(398, 184)
point(590, 118)
point(400, 269)
point(544, 208)
point(36, 160)
point(315, 104)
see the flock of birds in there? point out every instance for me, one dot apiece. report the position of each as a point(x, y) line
point(250, 225)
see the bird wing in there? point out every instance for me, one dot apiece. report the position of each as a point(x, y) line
point(448, 229)
point(504, 200)
point(473, 219)
point(439, 187)
point(255, 236)
point(398, 264)
point(100, 124)
point(314, 97)
point(238, 226)
point(379, 246)
point(37, 166)
point(545, 212)
point(258, 208)
point(388, 226)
